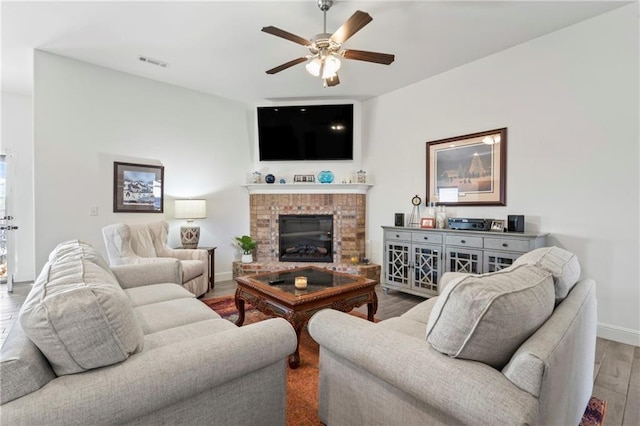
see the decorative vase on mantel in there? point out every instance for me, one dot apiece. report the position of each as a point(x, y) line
point(247, 258)
point(325, 176)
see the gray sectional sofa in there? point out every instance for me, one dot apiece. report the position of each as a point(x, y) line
point(514, 347)
point(129, 345)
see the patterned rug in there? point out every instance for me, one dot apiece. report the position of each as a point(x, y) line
point(302, 383)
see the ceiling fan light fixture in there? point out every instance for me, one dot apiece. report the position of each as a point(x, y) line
point(314, 67)
point(331, 66)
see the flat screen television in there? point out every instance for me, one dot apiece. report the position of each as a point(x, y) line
point(305, 132)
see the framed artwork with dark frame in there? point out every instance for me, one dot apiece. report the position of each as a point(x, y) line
point(138, 188)
point(469, 170)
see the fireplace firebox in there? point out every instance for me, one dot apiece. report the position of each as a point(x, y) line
point(306, 238)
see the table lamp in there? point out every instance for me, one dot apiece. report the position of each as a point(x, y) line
point(190, 210)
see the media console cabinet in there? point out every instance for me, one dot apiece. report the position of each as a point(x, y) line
point(416, 258)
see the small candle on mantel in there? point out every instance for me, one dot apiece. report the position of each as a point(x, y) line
point(301, 282)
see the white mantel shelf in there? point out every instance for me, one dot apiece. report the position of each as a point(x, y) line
point(308, 188)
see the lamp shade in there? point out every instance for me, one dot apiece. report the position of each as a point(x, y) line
point(190, 209)
point(331, 66)
point(314, 67)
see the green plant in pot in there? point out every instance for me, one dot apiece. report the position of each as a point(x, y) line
point(247, 245)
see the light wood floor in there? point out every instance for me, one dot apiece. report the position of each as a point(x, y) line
point(616, 369)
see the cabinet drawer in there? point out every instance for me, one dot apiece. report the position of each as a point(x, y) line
point(397, 235)
point(463, 240)
point(506, 244)
point(423, 237)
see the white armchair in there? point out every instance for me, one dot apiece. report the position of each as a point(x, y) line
point(147, 243)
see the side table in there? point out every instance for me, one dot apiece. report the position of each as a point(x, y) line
point(212, 264)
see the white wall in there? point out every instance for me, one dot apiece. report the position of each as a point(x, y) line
point(17, 137)
point(570, 102)
point(86, 117)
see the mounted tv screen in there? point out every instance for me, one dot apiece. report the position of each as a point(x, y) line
point(310, 132)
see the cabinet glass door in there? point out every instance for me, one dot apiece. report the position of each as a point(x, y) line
point(461, 260)
point(397, 256)
point(496, 261)
point(426, 262)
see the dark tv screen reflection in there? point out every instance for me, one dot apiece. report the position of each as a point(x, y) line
point(310, 132)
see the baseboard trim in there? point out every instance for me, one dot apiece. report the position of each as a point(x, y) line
point(619, 334)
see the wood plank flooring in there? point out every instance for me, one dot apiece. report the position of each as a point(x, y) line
point(616, 368)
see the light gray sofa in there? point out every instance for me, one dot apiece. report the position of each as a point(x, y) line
point(514, 347)
point(128, 345)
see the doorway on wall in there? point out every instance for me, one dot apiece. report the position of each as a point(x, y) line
point(6, 227)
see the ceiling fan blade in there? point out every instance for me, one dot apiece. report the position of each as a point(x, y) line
point(287, 65)
point(362, 55)
point(354, 24)
point(286, 35)
point(332, 81)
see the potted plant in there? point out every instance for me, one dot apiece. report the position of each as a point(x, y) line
point(247, 244)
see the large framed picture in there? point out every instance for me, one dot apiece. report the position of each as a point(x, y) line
point(138, 188)
point(469, 170)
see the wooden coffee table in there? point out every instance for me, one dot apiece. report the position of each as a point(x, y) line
point(325, 289)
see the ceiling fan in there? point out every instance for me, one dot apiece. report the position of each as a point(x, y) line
point(326, 49)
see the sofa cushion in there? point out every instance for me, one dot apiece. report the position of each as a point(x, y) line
point(79, 317)
point(487, 317)
point(421, 311)
point(23, 368)
point(562, 264)
point(154, 293)
point(187, 332)
point(172, 313)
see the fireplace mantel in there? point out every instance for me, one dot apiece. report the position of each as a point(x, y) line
point(308, 188)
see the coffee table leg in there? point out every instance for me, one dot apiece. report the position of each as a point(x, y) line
point(240, 308)
point(294, 358)
point(372, 307)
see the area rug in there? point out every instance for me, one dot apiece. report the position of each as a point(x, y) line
point(302, 383)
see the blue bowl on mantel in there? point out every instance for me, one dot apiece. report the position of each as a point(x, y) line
point(325, 176)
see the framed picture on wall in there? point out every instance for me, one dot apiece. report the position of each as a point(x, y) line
point(469, 170)
point(138, 188)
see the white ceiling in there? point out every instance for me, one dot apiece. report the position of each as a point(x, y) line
point(217, 46)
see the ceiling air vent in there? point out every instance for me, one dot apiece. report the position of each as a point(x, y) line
point(152, 61)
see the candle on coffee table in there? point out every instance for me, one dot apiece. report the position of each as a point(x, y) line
point(301, 282)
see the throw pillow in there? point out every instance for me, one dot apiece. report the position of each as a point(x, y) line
point(562, 264)
point(79, 317)
point(487, 317)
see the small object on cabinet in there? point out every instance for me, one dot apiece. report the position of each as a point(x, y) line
point(270, 178)
point(497, 225)
point(515, 223)
point(399, 219)
point(427, 222)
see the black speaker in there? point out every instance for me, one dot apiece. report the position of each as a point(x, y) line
point(515, 223)
point(399, 219)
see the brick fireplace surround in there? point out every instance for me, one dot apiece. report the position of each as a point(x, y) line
point(349, 221)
